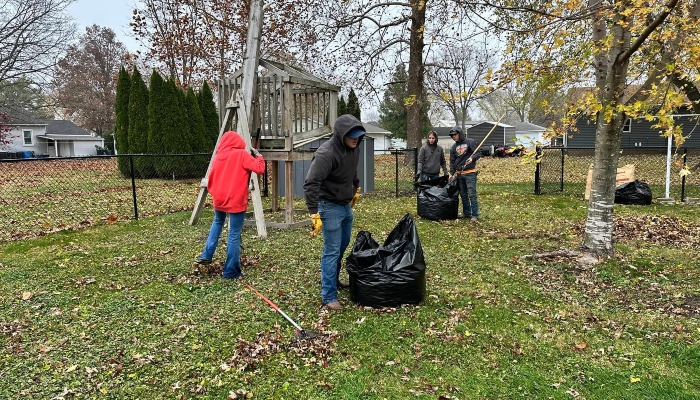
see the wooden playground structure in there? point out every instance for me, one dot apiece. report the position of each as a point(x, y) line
point(277, 109)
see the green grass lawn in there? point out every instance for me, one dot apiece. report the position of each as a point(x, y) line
point(117, 311)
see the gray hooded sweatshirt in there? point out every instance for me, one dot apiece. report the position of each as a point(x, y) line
point(332, 175)
point(431, 158)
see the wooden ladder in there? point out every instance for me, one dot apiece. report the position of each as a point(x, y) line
point(235, 107)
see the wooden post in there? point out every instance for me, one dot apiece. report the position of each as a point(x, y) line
point(252, 56)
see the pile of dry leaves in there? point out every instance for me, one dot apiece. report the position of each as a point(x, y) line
point(657, 229)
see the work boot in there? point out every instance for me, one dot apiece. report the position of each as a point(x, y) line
point(202, 261)
point(334, 306)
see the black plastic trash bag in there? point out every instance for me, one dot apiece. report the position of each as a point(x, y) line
point(636, 192)
point(389, 275)
point(438, 199)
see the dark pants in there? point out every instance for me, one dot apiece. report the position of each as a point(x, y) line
point(467, 191)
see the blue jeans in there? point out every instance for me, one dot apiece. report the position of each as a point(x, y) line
point(337, 227)
point(232, 267)
point(467, 191)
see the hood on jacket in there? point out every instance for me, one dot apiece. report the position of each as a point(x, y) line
point(461, 134)
point(344, 124)
point(229, 141)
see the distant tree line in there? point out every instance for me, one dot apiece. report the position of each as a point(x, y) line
point(162, 118)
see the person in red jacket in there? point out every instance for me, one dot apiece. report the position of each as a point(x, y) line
point(228, 185)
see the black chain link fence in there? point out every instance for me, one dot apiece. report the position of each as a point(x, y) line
point(38, 196)
point(566, 169)
point(394, 171)
point(44, 195)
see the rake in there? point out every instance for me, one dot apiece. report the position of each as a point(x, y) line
point(299, 332)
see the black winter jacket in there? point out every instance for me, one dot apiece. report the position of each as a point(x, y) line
point(332, 175)
point(461, 151)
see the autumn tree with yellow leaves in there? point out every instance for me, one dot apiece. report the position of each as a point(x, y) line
point(640, 57)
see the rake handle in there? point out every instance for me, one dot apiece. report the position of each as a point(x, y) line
point(265, 299)
point(274, 307)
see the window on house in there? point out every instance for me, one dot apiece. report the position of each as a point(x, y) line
point(627, 127)
point(27, 137)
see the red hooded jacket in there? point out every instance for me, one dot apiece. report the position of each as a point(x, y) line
point(230, 173)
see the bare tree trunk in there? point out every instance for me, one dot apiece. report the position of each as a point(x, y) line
point(416, 73)
point(611, 80)
point(598, 232)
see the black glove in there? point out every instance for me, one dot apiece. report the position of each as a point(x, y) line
point(417, 176)
point(254, 152)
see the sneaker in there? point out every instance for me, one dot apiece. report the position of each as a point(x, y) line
point(334, 305)
point(230, 278)
point(474, 220)
point(202, 261)
point(342, 285)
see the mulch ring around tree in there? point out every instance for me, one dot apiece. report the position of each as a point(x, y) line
point(656, 229)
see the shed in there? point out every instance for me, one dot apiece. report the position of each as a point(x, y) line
point(502, 135)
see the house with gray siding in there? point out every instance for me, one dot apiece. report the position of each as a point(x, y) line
point(637, 133)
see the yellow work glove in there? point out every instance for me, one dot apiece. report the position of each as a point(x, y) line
point(315, 224)
point(355, 198)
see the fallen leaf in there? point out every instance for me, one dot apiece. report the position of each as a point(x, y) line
point(634, 379)
point(26, 295)
point(581, 346)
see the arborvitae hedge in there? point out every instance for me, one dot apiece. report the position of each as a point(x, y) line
point(157, 114)
point(121, 122)
point(342, 108)
point(211, 117)
point(353, 107)
point(199, 140)
point(138, 124)
point(175, 131)
point(196, 123)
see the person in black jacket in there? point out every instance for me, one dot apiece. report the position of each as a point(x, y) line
point(331, 189)
point(463, 156)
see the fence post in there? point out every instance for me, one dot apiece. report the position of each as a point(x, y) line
point(396, 164)
point(561, 185)
point(133, 186)
point(538, 158)
point(685, 165)
point(415, 161)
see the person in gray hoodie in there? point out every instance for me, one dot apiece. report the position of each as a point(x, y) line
point(431, 158)
point(331, 189)
point(463, 156)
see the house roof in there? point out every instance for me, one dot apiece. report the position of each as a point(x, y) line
point(289, 73)
point(60, 127)
point(494, 123)
point(528, 127)
point(20, 116)
point(371, 128)
point(74, 138)
point(443, 123)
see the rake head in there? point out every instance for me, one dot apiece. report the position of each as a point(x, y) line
point(303, 334)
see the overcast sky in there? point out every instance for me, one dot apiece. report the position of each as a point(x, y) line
point(114, 14)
